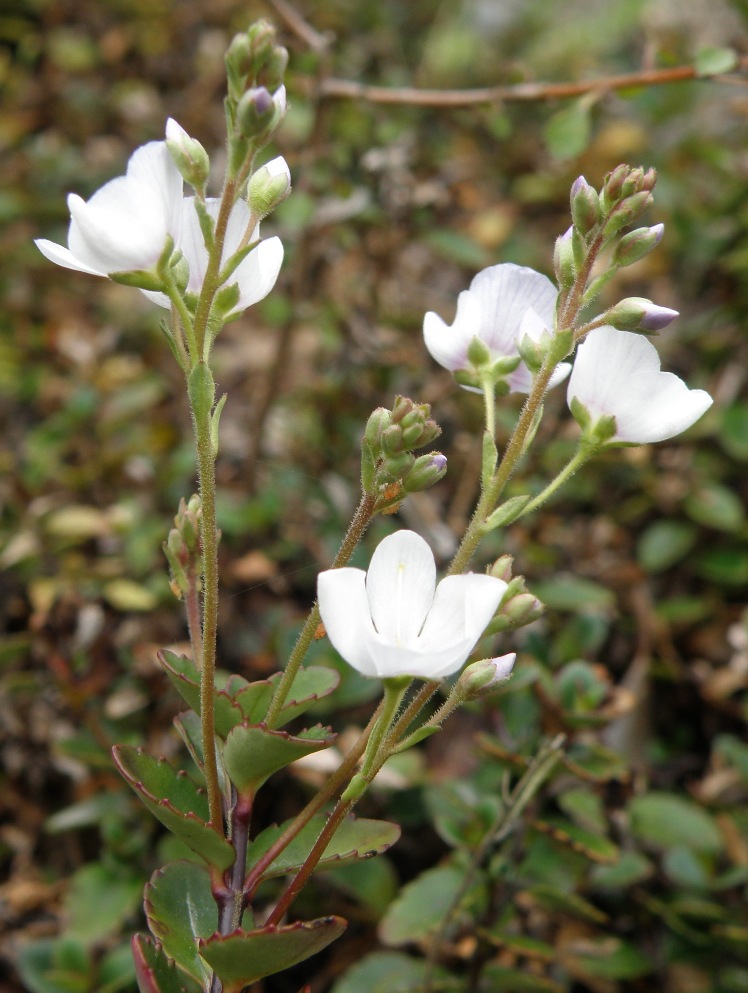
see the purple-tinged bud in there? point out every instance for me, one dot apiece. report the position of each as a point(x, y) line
point(639, 314)
point(255, 112)
point(636, 244)
point(502, 568)
point(585, 206)
point(632, 183)
point(402, 407)
point(627, 212)
point(482, 678)
point(522, 610)
point(427, 470)
point(614, 183)
point(648, 180)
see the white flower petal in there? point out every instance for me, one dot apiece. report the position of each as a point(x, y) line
point(618, 373)
point(64, 257)
point(257, 274)
point(463, 606)
point(505, 293)
point(448, 344)
point(400, 586)
point(344, 608)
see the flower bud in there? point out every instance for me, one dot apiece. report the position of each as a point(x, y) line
point(378, 421)
point(648, 180)
point(189, 155)
point(564, 266)
point(613, 185)
point(639, 314)
point(275, 67)
point(481, 678)
point(392, 440)
point(395, 467)
point(636, 244)
point(427, 470)
point(502, 568)
point(522, 609)
point(627, 212)
point(255, 112)
point(585, 206)
point(268, 187)
point(402, 407)
point(632, 183)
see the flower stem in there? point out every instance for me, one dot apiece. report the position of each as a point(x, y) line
point(356, 529)
point(206, 462)
point(580, 458)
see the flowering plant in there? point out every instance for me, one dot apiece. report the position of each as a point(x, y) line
point(212, 925)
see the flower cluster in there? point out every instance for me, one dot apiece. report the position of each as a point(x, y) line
point(137, 220)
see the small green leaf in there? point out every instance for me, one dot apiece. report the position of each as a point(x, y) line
point(55, 966)
point(610, 958)
point(509, 511)
point(253, 752)
point(567, 132)
point(153, 970)
point(309, 685)
point(726, 566)
point(505, 980)
point(715, 61)
point(584, 807)
point(665, 820)
point(575, 594)
point(632, 867)
point(421, 905)
point(180, 908)
point(356, 838)
point(185, 678)
point(174, 799)
point(665, 543)
point(588, 843)
point(386, 972)
point(715, 506)
point(243, 957)
point(99, 901)
point(560, 901)
point(734, 431)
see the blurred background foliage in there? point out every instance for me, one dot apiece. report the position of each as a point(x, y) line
point(629, 870)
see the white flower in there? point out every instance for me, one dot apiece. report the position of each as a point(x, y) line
point(617, 373)
point(125, 224)
point(255, 275)
point(504, 303)
point(395, 621)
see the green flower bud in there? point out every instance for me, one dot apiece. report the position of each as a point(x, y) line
point(636, 244)
point(395, 467)
point(379, 421)
point(189, 156)
point(481, 678)
point(502, 568)
point(268, 187)
point(639, 314)
point(427, 470)
point(255, 113)
point(585, 206)
point(392, 440)
point(522, 610)
point(627, 212)
point(613, 185)
point(564, 266)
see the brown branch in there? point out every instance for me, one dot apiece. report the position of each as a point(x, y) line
point(300, 27)
point(345, 89)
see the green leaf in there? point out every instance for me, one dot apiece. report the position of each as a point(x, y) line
point(503, 979)
point(726, 566)
point(309, 685)
point(588, 843)
point(421, 905)
point(715, 506)
point(584, 807)
point(153, 970)
point(575, 594)
point(632, 867)
point(99, 901)
point(185, 678)
point(734, 431)
point(665, 543)
point(571, 904)
point(567, 132)
point(174, 799)
point(665, 820)
point(609, 958)
point(180, 908)
point(243, 957)
point(734, 751)
point(55, 966)
point(356, 838)
point(387, 972)
point(253, 752)
point(715, 61)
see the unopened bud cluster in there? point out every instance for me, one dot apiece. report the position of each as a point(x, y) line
point(183, 548)
point(256, 101)
point(518, 606)
point(389, 468)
